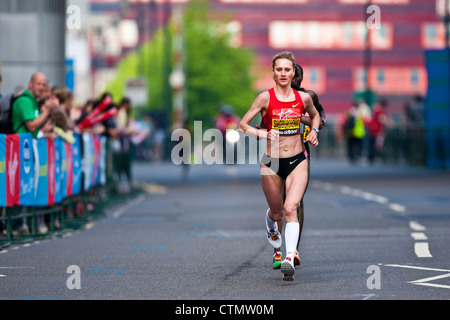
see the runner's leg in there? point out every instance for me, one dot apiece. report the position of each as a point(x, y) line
point(296, 184)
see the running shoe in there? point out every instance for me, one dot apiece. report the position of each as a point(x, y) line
point(273, 236)
point(277, 258)
point(296, 259)
point(288, 270)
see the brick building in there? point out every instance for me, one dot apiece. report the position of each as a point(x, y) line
point(328, 38)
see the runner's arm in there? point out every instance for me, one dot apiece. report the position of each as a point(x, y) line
point(259, 105)
point(315, 119)
point(319, 107)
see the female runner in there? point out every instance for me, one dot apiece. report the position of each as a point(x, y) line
point(284, 168)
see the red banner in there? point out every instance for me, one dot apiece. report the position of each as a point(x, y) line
point(12, 169)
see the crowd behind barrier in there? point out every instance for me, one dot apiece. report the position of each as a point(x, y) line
point(58, 161)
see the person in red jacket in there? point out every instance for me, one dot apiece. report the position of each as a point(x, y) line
point(377, 130)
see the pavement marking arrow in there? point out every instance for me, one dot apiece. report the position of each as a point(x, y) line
point(426, 281)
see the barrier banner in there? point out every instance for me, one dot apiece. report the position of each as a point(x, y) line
point(76, 166)
point(9, 170)
point(58, 195)
point(88, 160)
point(3, 202)
point(26, 170)
point(96, 165)
point(45, 172)
point(66, 169)
point(42, 172)
point(102, 164)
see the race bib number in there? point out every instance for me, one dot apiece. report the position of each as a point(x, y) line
point(285, 124)
point(306, 132)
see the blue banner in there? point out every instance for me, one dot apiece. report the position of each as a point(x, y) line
point(437, 109)
point(26, 170)
point(41, 172)
point(77, 169)
point(44, 151)
point(58, 194)
point(2, 170)
point(16, 170)
point(88, 161)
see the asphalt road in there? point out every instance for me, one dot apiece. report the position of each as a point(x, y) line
point(370, 233)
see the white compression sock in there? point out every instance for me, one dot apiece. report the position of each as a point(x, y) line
point(271, 224)
point(291, 237)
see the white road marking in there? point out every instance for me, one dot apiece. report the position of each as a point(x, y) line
point(422, 250)
point(397, 207)
point(426, 281)
point(127, 206)
point(442, 276)
point(420, 236)
point(416, 226)
point(414, 267)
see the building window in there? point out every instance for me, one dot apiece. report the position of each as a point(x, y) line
point(328, 35)
point(374, 1)
point(382, 38)
point(392, 80)
point(266, 1)
point(433, 35)
point(234, 31)
point(440, 7)
point(381, 78)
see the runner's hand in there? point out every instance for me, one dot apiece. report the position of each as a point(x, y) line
point(312, 138)
point(273, 135)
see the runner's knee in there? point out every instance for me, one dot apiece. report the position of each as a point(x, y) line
point(276, 215)
point(290, 211)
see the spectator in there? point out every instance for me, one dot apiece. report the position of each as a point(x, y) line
point(85, 110)
point(355, 131)
point(88, 106)
point(65, 98)
point(140, 139)
point(227, 120)
point(158, 139)
point(62, 125)
point(26, 116)
point(123, 156)
point(377, 130)
point(109, 126)
point(47, 92)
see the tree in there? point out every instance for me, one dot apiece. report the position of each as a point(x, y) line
point(216, 72)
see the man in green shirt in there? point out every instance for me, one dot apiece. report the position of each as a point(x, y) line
point(26, 116)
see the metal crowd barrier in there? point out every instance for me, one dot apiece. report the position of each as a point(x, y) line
point(402, 146)
point(63, 185)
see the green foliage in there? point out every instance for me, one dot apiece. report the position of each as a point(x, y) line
point(146, 61)
point(216, 73)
